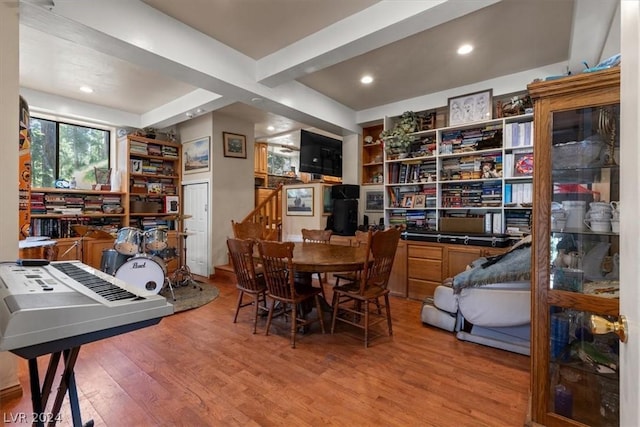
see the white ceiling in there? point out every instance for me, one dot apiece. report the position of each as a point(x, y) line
point(290, 63)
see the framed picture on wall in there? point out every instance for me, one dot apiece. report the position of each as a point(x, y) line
point(300, 201)
point(234, 145)
point(196, 155)
point(470, 108)
point(374, 201)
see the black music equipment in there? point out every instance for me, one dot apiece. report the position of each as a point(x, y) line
point(345, 217)
point(345, 191)
point(55, 309)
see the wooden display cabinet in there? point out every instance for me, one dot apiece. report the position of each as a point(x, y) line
point(575, 372)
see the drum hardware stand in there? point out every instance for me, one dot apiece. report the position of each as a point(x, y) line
point(183, 274)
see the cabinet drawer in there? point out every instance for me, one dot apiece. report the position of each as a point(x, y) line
point(420, 289)
point(425, 269)
point(430, 252)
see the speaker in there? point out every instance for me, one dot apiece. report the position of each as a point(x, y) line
point(345, 191)
point(345, 217)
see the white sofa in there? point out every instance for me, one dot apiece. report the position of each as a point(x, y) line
point(496, 313)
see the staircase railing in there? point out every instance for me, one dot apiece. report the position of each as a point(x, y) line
point(269, 214)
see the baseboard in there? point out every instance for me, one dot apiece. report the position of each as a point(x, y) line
point(12, 392)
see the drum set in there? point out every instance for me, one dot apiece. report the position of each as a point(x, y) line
point(139, 258)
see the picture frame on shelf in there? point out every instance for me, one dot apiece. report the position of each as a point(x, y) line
point(235, 145)
point(103, 175)
point(300, 201)
point(419, 201)
point(374, 201)
point(523, 164)
point(171, 204)
point(154, 188)
point(469, 108)
point(407, 201)
point(196, 155)
point(327, 200)
point(136, 166)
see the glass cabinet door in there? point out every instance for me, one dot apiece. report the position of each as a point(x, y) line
point(584, 260)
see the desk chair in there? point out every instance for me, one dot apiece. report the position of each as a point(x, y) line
point(248, 281)
point(277, 262)
point(351, 301)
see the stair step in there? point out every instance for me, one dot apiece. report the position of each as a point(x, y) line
point(225, 271)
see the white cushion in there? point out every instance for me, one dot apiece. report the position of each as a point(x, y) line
point(444, 299)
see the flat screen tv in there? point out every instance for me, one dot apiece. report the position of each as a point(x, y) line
point(320, 154)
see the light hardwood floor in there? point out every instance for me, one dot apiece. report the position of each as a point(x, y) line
point(197, 368)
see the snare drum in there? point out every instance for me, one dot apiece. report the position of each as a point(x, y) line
point(145, 272)
point(111, 261)
point(155, 239)
point(128, 241)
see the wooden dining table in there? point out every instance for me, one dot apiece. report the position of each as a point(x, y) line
point(326, 258)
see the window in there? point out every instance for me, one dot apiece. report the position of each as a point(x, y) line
point(66, 151)
point(282, 160)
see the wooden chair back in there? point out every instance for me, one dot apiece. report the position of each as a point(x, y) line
point(361, 238)
point(248, 230)
point(241, 254)
point(381, 251)
point(316, 236)
point(277, 264)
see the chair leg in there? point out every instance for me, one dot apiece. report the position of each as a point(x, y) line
point(334, 303)
point(321, 282)
point(270, 316)
point(366, 323)
point(256, 302)
point(320, 315)
point(386, 303)
point(235, 317)
point(294, 319)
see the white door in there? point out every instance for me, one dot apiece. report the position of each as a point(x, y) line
point(196, 204)
point(630, 206)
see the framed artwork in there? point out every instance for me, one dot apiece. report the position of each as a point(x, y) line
point(300, 201)
point(407, 202)
point(523, 164)
point(473, 107)
point(374, 201)
point(419, 201)
point(327, 200)
point(234, 145)
point(103, 175)
point(136, 166)
point(196, 155)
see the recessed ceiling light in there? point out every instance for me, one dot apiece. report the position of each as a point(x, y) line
point(366, 80)
point(464, 49)
point(271, 128)
point(86, 89)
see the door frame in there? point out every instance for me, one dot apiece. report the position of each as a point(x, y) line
point(206, 181)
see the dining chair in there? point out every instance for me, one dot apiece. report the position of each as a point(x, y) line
point(351, 301)
point(248, 280)
point(247, 230)
point(360, 239)
point(318, 236)
point(277, 261)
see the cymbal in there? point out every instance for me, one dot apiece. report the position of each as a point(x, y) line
point(179, 217)
point(86, 231)
point(186, 233)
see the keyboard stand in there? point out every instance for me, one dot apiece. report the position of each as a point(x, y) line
point(68, 348)
point(39, 397)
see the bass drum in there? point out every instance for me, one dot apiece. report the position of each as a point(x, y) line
point(112, 260)
point(146, 272)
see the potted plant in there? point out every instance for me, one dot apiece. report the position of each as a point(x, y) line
point(398, 139)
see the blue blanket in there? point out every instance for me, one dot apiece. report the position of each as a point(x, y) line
point(512, 266)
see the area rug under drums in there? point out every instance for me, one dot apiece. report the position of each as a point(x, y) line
point(188, 297)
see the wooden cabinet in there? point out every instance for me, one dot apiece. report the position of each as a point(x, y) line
point(92, 251)
point(575, 372)
point(428, 264)
point(260, 168)
point(372, 156)
point(153, 182)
